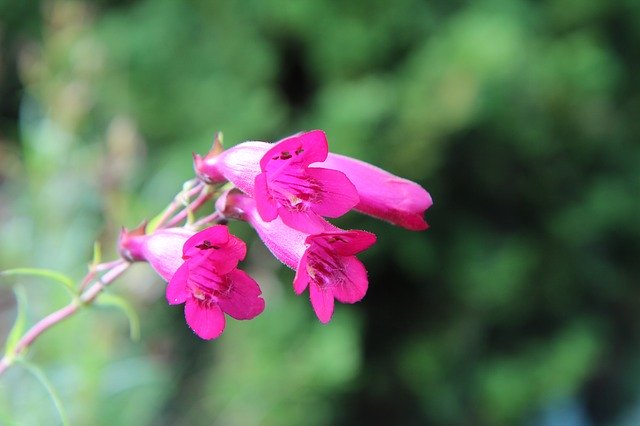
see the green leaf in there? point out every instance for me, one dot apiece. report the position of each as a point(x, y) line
point(19, 325)
point(45, 273)
point(42, 378)
point(108, 299)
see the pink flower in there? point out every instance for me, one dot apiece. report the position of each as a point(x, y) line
point(210, 285)
point(162, 248)
point(324, 262)
point(380, 193)
point(299, 195)
point(383, 195)
point(278, 176)
point(331, 270)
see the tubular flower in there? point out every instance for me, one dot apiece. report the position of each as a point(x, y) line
point(210, 285)
point(278, 176)
point(288, 188)
point(162, 248)
point(254, 168)
point(383, 195)
point(324, 262)
point(331, 270)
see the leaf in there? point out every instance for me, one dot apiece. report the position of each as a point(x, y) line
point(42, 378)
point(108, 299)
point(19, 325)
point(45, 273)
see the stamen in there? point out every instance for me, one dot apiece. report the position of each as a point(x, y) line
point(206, 245)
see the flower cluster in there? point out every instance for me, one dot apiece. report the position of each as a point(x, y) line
point(284, 190)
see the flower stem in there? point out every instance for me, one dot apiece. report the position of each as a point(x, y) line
point(204, 196)
point(214, 217)
point(194, 186)
point(86, 298)
point(101, 275)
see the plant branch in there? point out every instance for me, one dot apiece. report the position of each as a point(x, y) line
point(86, 298)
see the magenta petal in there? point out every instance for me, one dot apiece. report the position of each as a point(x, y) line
point(357, 241)
point(384, 195)
point(215, 250)
point(242, 300)
point(216, 235)
point(302, 148)
point(230, 254)
point(163, 250)
point(206, 320)
point(225, 259)
point(354, 287)
point(305, 221)
point(345, 243)
point(238, 164)
point(176, 291)
point(265, 203)
point(302, 278)
point(322, 302)
point(339, 195)
point(285, 243)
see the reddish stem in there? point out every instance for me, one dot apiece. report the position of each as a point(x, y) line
point(113, 270)
point(54, 318)
point(204, 196)
point(178, 201)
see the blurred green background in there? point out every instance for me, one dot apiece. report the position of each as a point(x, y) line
point(521, 303)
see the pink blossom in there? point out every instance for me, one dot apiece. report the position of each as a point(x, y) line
point(331, 270)
point(324, 262)
point(380, 193)
point(210, 285)
point(300, 195)
point(278, 176)
point(383, 195)
point(162, 248)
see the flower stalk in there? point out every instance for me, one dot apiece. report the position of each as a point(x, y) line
point(101, 275)
point(86, 298)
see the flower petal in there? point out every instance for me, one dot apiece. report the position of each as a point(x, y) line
point(322, 302)
point(344, 243)
point(265, 203)
point(207, 321)
point(305, 221)
point(239, 164)
point(301, 148)
point(285, 243)
point(302, 278)
point(354, 287)
point(230, 254)
point(176, 291)
point(215, 250)
point(215, 235)
point(163, 250)
point(243, 300)
point(384, 195)
point(339, 195)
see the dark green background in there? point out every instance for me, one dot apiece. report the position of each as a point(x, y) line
point(521, 303)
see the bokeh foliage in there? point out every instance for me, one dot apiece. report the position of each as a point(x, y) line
point(521, 305)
